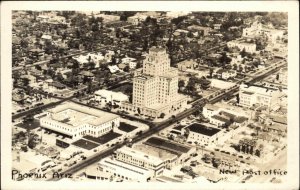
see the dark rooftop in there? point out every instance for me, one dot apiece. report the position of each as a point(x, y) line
point(227, 114)
point(202, 129)
point(179, 127)
point(249, 93)
point(167, 145)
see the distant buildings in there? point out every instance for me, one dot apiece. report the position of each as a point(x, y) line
point(242, 44)
point(155, 89)
point(173, 14)
point(136, 19)
point(203, 31)
point(258, 29)
point(131, 62)
point(228, 74)
point(254, 95)
point(96, 58)
point(217, 26)
point(75, 121)
point(187, 64)
point(107, 18)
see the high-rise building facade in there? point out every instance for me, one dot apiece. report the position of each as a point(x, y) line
point(155, 87)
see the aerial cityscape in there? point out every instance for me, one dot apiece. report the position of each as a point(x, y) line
point(137, 96)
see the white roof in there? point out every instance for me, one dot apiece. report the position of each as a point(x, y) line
point(113, 68)
point(47, 37)
point(256, 89)
point(135, 153)
point(123, 168)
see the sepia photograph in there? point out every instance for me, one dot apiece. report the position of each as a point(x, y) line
point(149, 96)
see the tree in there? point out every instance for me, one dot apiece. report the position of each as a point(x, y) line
point(243, 53)
point(191, 85)
point(205, 84)
point(31, 142)
point(216, 162)
point(211, 70)
point(162, 115)
point(237, 99)
point(126, 68)
point(277, 76)
point(181, 84)
point(139, 110)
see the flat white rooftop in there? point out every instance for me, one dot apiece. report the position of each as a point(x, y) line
point(74, 115)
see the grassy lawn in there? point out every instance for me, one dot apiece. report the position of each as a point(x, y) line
point(126, 127)
point(105, 138)
point(85, 144)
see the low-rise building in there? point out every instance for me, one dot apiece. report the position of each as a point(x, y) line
point(210, 110)
point(141, 157)
point(186, 64)
point(125, 171)
point(228, 74)
point(217, 26)
point(74, 121)
point(203, 31)
point(113, 68)
point(219, 120)
point(258, 29)
point(131, 62)
point(202, 134)
point(258, 95)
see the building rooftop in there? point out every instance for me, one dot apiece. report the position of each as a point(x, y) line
point(167, 145)
point(74, 115)
point(202, 129)
point(220, 118)
point(140, 154)
point(258, 89)
point(122, 167)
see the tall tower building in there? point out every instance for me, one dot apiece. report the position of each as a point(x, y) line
point(155, 87)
